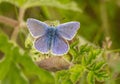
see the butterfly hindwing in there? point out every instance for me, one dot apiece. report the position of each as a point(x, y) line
point(42, 44)
point(68, 30)
point(36, 28)
point(59, 45)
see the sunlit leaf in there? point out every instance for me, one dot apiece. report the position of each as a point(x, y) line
point(29, 41)
point(84, 48)
point(93, 55)
point(84, 61)
point(4, 67)
point(14, 76)
point(101, 76)
point(99, 65)
point(31, 67)
point(53, 3)
point(62, 77)
point(91, 78)
point(76, 72)
point(6, 61)
point(14, 56)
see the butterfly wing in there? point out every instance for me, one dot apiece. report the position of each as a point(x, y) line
point(36, 28)
point(68, 30)
point(42, 44)
point(59, 45)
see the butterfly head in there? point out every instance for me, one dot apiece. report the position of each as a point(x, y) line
point(53, 23)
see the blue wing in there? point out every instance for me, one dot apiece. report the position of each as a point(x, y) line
point(59, 46)
point(68, 30)
point(36, 28)
point(42, 44)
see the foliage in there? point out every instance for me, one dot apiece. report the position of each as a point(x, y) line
point(17, 65)
point(87, 61)
point(92, 61)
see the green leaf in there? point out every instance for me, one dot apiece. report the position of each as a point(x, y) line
point(93, 55)
point(18, 3)
point(84, 61)
point(32, 68)
point(75, 43)
point(5, 47)
point(28, 41)
point(76, 72)
point(91, 78)
point(84, 48)
point(14, 76)
point(53, 3)
point(99, 65)
point(101, 76)
point(62, 77)
point(12, 55)
point(73, 52)
point(68, 81)
point(4, 67)
point(0, 1)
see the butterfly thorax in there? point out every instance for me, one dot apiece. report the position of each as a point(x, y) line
point(50, 34)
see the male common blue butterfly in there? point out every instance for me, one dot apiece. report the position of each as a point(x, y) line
point(52, 38)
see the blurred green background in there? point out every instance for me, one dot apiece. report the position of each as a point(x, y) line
point(100, 26)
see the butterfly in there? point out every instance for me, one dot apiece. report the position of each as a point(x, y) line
point(52, 38)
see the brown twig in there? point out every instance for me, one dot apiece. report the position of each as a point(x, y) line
point(8, 21)
point(20, 21)
point(104, 17)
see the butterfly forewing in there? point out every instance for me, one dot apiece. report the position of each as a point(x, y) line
point(36, 28)
point(68, 30)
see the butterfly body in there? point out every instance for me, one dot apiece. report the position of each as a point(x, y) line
point(52, 38)
point(50, 34)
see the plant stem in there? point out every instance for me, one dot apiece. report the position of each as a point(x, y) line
point(20, 20)
point(104, 18)
point(116, 50)
point(8, 21)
